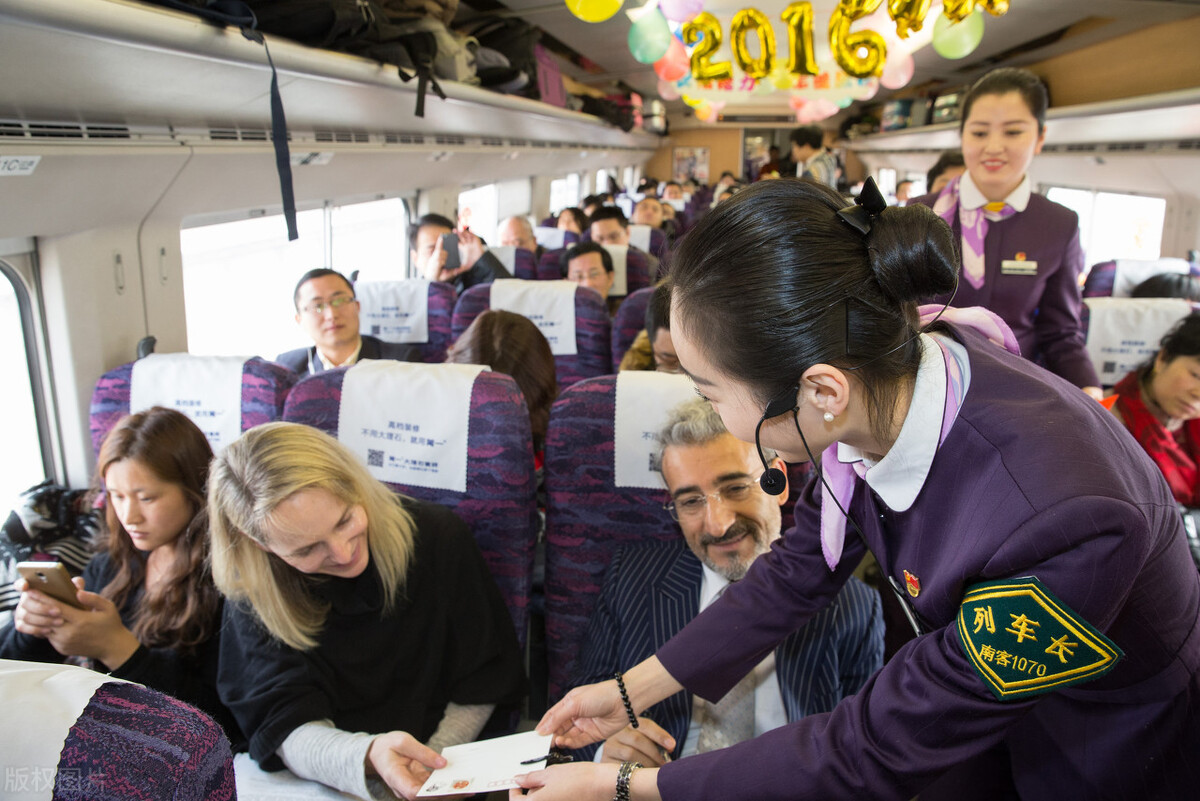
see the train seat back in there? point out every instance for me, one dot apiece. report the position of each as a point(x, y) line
point(408, 421)
point(1122, 333)
point(628, 322)
point(593, 327)
point(647, 239)
point(601, 493)
point(519, 262)
point(412, 311)
point(223, 395)
point(1119, 277)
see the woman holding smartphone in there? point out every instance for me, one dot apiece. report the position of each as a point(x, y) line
point(149, 610)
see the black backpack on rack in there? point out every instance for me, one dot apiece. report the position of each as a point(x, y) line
point(515, 39)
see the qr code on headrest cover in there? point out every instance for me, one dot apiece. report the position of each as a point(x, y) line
point(374, 458)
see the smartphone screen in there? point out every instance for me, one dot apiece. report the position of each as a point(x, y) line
point(450, 245)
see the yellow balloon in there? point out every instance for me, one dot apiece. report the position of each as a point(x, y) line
point(693, 102)
point(594, 10)
point(704, 33)
point(909, 15)
point(752, 21)
point(799, 19)
point(958, 10)
point(860, 54)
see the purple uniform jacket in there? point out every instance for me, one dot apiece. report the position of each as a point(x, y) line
point(1042, 309)
point(1033, 479)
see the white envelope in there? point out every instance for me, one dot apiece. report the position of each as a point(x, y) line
point(488, 765)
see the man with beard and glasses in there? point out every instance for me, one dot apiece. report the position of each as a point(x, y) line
point(652, 590)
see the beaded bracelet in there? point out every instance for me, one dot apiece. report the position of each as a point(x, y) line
point(623, 777)
point(633, 721)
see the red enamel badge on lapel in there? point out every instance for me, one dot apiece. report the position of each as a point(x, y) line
point(912, 583)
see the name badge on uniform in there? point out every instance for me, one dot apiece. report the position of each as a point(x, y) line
point(1018, 265)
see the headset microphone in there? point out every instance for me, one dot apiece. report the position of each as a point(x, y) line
point(773, 481)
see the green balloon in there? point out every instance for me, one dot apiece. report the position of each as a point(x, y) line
point(650, 37)
point(957, 40)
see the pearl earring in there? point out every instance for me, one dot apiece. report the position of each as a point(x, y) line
point(828, 417)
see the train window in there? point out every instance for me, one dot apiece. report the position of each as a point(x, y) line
point(238, 279)
point(601, 182)
point(630, 177)
point(1114, 225)
point(24, 463)
point(371, 238)
point(564, 192)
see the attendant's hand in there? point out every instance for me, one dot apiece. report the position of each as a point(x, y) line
point(648, 744)
point(587, 714)
point(580, 781)
point(1095, 392)
point(96, 631)
point(584, 781)
point(402, 761)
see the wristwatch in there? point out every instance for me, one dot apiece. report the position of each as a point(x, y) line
point(623, 776)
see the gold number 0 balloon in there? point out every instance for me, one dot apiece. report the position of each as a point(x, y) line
point(799, 19)
point(752, 21)
point(704, 32)
point(846, 45)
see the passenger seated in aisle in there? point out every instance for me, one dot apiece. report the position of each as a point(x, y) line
point(1169, 285)
point(608, 226)
point(572, 219)
point(476, 265)
point(651, 591)
point(517, 232)
point(591, 204)
point(511, 344)
point(648, 211)
point(151, 613)
point(360, 625)
point(589, 264)
point(327, 312)
point(653, 349)
point(949, 166)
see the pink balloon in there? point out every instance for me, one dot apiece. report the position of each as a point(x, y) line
point(675, 64)
point(796, 103)
point(667, 90)
point(897, 70)
point(821, 108)
point(680, 10)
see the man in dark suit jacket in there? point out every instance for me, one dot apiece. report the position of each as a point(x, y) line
point(653, 590)
point(327, 311)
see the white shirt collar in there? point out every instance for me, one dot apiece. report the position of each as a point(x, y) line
point(820, 152)
point(353, 358)
point(711, 586)
point(899, 476)
point(969, 196)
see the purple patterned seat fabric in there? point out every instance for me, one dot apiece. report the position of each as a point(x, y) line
point(587, 517)
point(637, 271)
point(658, 243)
point(1099, 282)
point(134, 744)
point(525, 265)
point(628, 323)
point(549, 267)
point(500, 503)
point(442, 298)
point(265, 386)
point(593, 332)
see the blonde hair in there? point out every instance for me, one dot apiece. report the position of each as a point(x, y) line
point(248, 481)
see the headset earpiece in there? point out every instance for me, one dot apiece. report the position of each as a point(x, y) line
point(773, 481)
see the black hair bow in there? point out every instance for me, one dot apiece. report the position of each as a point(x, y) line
point(869, 204)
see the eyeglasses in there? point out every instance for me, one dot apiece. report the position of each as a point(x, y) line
point(594, 274)
point(335, 303)
point(691, 507)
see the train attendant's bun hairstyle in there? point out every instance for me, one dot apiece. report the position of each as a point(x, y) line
point(785, 276)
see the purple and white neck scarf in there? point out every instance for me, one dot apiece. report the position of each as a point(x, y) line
point(974, 224)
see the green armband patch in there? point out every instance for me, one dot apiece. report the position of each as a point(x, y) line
point(1023, 641)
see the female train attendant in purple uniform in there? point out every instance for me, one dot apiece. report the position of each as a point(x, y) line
point(1038, 548)
point(1020, 252)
